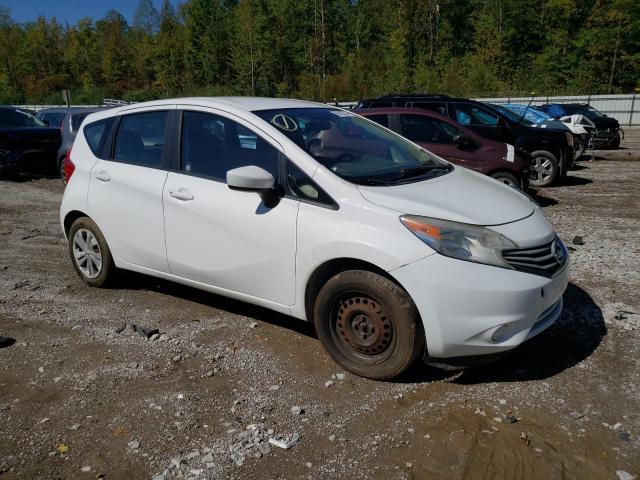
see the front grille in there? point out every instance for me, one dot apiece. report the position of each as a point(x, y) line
point(545, 260)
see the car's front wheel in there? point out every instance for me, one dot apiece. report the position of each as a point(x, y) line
point(508, 179)
point(579, 147)
point(544, 169)
point(90, 253)
point(368, 324)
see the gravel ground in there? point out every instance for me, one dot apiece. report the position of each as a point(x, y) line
point(80, 400)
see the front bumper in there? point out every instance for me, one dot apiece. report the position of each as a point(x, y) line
point(470, 309)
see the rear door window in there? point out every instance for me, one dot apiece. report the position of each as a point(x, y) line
point(380, 119)
point(419, 128)
point(438, 107)
point(140, 138)
point(470, 114)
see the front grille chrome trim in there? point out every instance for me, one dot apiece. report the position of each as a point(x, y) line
point(545, 260)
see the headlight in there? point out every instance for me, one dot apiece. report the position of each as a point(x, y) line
point(459, 240)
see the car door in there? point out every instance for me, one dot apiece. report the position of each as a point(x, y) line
point(221, 237)
point(125, 191)
point(437, 136)
point(483, 121)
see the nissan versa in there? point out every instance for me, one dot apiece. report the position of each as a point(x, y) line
point(318, 213)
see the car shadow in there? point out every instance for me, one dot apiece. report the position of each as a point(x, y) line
point(572, 339)
point(136, 281)
point(544, 201)
point(576, 167)
point(570, 181)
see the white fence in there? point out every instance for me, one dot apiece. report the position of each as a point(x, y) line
point(625, 108)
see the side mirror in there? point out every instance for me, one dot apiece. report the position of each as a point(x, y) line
point(254, 179)
point(46, 122)
point(464, 141)
point(251, 179)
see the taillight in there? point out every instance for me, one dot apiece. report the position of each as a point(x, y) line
point(67, 167)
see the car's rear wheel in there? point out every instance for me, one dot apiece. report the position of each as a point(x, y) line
point(61, 171)
point(368, 324)
point(544, 169)
point(507, 178)
point(90, 253)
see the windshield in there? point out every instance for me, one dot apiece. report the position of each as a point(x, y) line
point(530, 114)
point(354, 148)
point(586, 110)
point(12, 117)
point(514, 117)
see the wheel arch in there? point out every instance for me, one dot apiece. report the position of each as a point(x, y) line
point(71, 217)
point(331, 268)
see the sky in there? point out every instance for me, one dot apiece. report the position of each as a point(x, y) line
point(69, 10)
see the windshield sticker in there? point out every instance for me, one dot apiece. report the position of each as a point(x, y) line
point(284, 122)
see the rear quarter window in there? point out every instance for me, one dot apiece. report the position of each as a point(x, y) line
point(96, 133)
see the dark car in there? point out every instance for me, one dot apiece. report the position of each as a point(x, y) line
point(70, 125)
point(52, 116)
point(444, 137)
point(607, 133)
point(551, 150)
point(27, 145)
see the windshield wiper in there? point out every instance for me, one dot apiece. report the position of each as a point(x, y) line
point(414, 172)
point(372, 181)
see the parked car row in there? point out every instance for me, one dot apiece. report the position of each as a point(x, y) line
point(550, 142)
point(36, 145)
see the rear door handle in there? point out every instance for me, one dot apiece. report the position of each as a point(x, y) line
point(103, 176)
point(181, 194)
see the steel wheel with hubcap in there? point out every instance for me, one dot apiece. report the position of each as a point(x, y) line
point(86, 253)
point(89, 252)
point(368, 324)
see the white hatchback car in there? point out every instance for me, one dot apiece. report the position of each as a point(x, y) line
point(318, 213)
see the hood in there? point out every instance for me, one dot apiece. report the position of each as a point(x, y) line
point(605, 122)
point(553, 124)
point(461, 196)
point(30, 136)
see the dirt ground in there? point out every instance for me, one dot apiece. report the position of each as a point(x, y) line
point(79, 400)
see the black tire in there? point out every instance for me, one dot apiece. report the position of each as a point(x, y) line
point(61, 171)
point(579, 147)
point(107, 269)
point(368, 324)
point(616, 142)
point(508, 179)
point(551, 171)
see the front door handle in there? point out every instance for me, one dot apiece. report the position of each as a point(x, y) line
point(181, 194)
point(103, 176)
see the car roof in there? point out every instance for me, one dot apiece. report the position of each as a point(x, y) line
point(365, 112)
point(245, 104)
point(53, 110)
point(410, 95)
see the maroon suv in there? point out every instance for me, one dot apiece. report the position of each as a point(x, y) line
point(455, 143)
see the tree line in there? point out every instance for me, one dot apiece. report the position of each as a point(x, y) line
point(325, 50)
